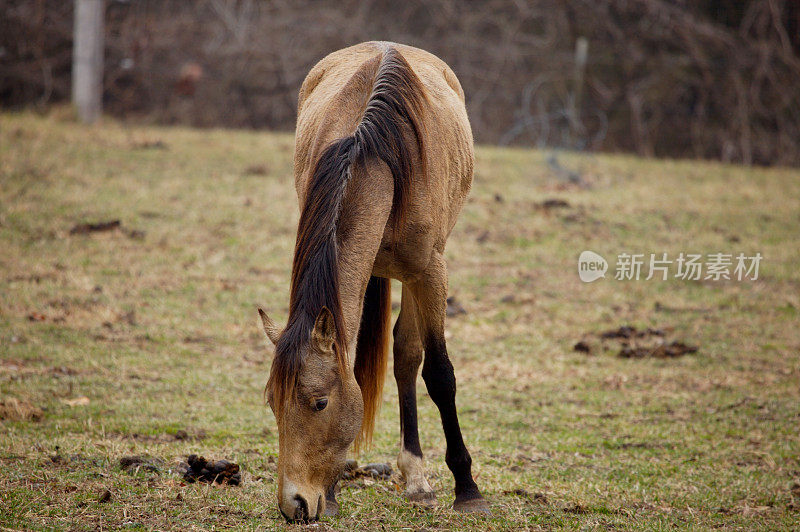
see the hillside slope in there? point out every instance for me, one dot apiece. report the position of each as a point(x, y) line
point(143, 339)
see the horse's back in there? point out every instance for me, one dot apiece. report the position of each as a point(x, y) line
point(338, 67)
point(331, 102)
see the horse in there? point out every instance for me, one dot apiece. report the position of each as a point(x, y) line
point(383, 163)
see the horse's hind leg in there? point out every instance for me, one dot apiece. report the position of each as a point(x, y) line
point(430, 294)
point(407, 358)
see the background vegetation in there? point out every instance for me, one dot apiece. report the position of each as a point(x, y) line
point(699, 79)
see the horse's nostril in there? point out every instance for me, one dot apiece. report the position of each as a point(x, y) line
point(301, 512)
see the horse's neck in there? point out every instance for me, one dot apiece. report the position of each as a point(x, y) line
point(362, 221)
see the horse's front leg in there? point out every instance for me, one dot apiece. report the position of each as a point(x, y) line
point(430, 294)
point(407, 358)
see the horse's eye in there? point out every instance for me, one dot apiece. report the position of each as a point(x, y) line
point(320, 404)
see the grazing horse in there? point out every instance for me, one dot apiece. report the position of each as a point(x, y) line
point(383, 163)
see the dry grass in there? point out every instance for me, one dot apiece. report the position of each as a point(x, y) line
point(127, 337)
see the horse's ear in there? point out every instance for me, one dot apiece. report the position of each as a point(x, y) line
point(272, 330)
point(324, 333)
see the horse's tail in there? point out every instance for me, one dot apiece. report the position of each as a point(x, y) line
point(372, 351)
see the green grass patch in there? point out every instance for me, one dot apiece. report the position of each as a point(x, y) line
point(154, 324)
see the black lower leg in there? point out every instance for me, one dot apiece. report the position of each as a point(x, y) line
point(407, 357)
point(439, 377)
point(408, 418)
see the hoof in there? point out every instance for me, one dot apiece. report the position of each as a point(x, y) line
point(422, 498)
point(331, 504)
point(331, 508)
point(472, 506)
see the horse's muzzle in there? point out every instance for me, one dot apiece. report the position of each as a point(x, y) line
point(296, 510)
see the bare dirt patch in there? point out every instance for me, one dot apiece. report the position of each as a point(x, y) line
point(72, 462)
point(630, 342)
point(553, 203)
point(136, 463)
point(86, 228)
point(150, 145)
point(536, 497)
point(84, 312)
point(18, 369)
point(179, 435)
point(256, 170)
point(106, 226)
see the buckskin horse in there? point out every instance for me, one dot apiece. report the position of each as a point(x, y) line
point(383, 163)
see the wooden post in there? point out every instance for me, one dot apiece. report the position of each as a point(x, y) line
point(87, 59)
point(581, 55)
point(574, 104)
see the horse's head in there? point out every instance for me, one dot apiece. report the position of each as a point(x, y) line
point(318, 407)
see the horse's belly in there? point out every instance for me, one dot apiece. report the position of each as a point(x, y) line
point(407, 256)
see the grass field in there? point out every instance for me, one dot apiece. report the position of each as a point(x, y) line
point(144, 339)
